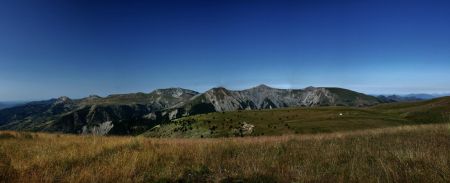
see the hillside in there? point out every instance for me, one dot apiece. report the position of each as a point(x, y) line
point(430, 111)
point(135, 113)
point(264, 97)
point(115, 114)
point(276, 122)
point(305, 120)
point(416, 153)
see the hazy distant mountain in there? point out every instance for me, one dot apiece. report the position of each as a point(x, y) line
point(397, 98)
point(4, 105)
point(409, 97)
point(136, 112)
point(423, 96)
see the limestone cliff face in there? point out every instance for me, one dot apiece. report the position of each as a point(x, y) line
point(264, 97)
point(101, 120)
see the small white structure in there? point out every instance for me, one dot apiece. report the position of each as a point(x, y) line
point(340, 114)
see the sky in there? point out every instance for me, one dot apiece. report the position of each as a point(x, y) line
point(51, 48)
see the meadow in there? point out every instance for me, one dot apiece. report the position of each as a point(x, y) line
point(411, 153)
point(305, 120)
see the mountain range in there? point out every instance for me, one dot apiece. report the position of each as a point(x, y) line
point(4, 105)
point(409, 97)
point(135, 113)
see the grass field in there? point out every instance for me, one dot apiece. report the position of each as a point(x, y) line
point(418, 153)
point(304, 120)
point(277, 122)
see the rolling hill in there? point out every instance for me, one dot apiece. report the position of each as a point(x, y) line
point(305, 120)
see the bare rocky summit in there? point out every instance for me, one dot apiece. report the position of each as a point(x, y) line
point(264, 97)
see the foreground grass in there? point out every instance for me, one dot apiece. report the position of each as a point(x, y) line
point(396, 154)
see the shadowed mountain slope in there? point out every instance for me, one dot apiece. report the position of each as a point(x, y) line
point(116, 114)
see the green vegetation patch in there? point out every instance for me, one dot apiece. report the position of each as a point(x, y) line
point(276, 122)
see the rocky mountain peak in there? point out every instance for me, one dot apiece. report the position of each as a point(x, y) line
point(63, 100)
point(310, 88)
point(218, 90)
point(263, 86)
point(91, 97)
point(174, 92)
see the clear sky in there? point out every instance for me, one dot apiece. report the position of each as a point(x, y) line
point(50, 48)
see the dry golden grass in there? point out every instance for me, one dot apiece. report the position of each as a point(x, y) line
point(398, 154)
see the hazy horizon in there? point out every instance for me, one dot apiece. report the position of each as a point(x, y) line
point(77, 48)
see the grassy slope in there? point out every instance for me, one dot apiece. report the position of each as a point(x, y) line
point(396, 154)
point(430, 111)
point(277, 122)
point(306, 120)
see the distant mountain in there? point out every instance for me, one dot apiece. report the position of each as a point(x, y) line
point(409, 97)
point(398, 98)
point(137, 112)
point(4, 105)
point(423, 96)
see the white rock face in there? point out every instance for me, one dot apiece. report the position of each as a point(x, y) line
point(169, 97)
point(173, 114)
point(223, 100)
point(63, 99)
point(264, 97)
point(151, 116)
point(316, 96)
point(101, 129)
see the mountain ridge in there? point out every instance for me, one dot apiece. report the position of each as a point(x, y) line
point(263, 97)
point(134, 113)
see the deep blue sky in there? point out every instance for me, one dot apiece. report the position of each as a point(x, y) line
point(76, 48)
